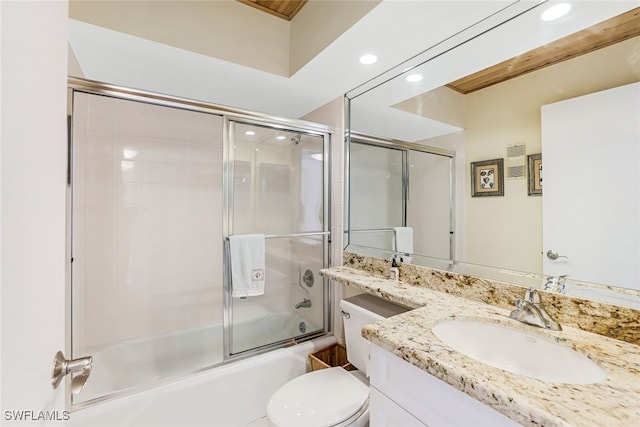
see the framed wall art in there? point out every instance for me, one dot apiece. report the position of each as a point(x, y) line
point(535, 174)
point(487, 178)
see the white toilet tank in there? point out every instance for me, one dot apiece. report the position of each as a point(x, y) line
point(358, 311)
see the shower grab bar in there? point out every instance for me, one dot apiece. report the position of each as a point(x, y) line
point(285, 236)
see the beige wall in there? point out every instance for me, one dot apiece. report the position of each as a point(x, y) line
point(319, 23)
point(507, 231)
point(227, 30)
point(332, 114)
point(73, 66)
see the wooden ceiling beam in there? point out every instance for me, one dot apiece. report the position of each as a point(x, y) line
point(614, 30)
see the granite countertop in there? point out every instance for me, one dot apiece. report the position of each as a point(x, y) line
point(614, 401)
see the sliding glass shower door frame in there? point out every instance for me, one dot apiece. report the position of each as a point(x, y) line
point(229, 157)
point(83, 86)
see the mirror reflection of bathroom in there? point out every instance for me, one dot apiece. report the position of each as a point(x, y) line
point(519, 96)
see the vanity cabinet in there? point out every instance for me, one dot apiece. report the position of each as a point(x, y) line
point(403, 394)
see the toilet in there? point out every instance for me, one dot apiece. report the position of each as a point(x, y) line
point(334, 396)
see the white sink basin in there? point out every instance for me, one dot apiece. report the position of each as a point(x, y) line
point(518, 352)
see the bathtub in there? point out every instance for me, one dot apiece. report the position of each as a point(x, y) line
point(269, 328)
point(235, 394)
point(133, 365)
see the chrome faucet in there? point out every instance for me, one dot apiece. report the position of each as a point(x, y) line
point(555, 284)
point(531, 311)
point(306, 303)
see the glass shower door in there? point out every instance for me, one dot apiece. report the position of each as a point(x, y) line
point(376, 196)
point(430, 203)
point(394, 185)
point(146, 226)
point(278, 190)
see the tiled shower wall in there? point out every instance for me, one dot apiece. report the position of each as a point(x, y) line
point(149, 178)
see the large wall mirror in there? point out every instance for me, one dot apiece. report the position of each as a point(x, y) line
point(505, 97)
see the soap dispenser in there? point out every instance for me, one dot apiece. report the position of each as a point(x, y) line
point(394, 271)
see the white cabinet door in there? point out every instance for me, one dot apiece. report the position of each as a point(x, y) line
point(591, 187)
point(384, 412)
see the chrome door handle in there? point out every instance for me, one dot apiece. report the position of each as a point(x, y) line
point(553, 255)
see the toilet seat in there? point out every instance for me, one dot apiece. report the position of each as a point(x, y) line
point(327, 397)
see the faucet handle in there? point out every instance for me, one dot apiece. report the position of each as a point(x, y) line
point(532, 296)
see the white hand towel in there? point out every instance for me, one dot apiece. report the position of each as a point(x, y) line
point(247, 265)
point(404, 239)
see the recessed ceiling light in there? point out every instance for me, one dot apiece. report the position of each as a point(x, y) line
point(281, 137)
point(555, 12)
point(368, 59)
point(249, 133)
point(413, 77)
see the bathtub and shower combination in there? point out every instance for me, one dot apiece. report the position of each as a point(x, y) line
point(156, 186)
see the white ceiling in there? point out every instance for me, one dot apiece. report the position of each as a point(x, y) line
point(395, 30)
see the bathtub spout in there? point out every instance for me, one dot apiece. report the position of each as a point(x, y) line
point(304, 303)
